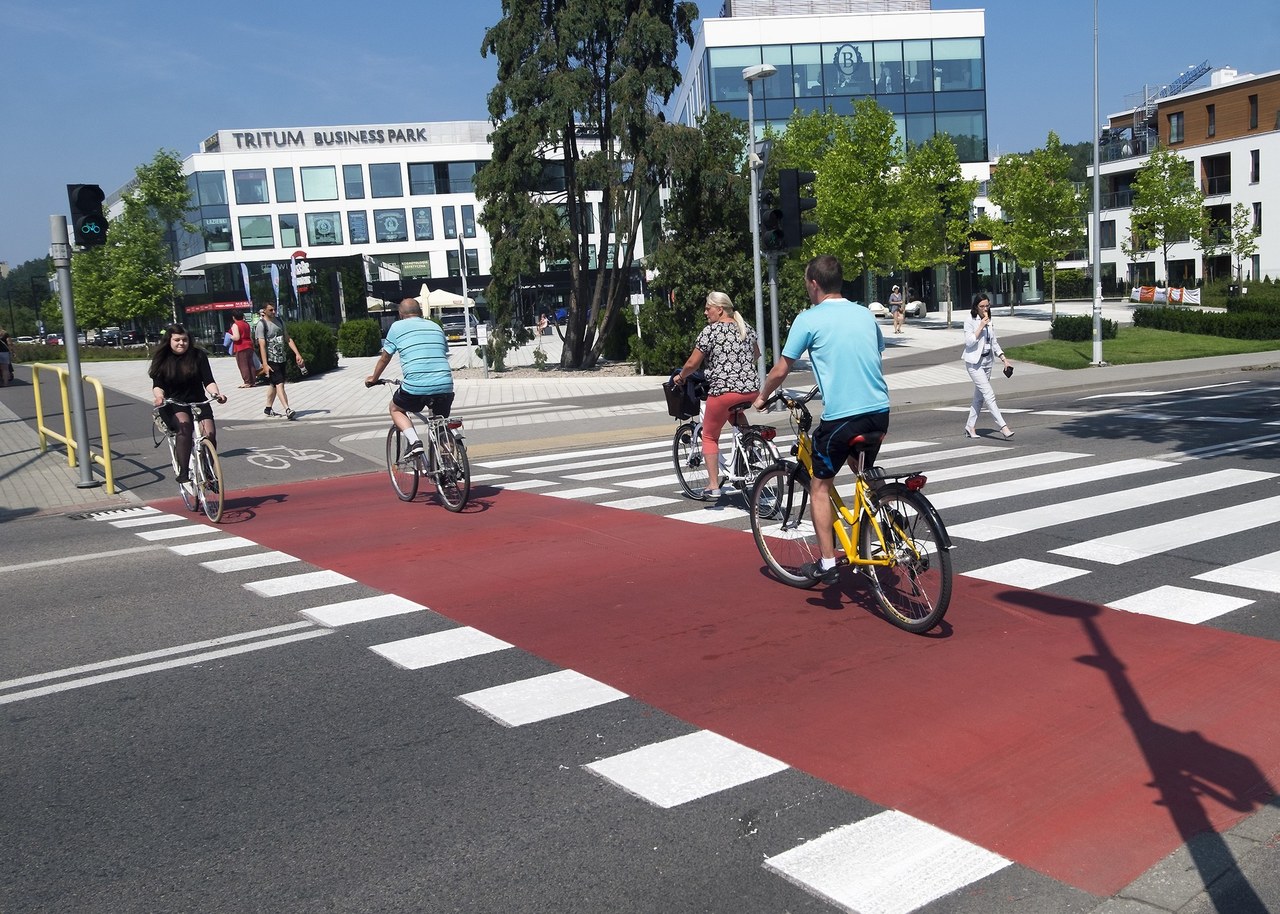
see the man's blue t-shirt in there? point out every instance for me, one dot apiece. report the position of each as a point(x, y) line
point(844, 344)
point(424, 355)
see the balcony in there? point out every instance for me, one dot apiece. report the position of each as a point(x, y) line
point(1217, 186)
point(1118, 199)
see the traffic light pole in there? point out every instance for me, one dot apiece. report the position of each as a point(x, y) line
point(773, 303)
point(60, 250)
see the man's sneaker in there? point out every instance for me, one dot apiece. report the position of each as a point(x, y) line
point(269, 414)
point(815, 572)
point(290, 415)
point(415, 449)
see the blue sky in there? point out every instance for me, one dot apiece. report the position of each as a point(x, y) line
point(92, 89)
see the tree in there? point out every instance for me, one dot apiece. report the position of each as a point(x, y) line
point(1244, 239)
point(935, 201)
point(1168, 206)
point(573, 111)
point(1043, 212)
point(705, 242)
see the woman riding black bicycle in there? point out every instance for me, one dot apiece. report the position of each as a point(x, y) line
point(180, 371)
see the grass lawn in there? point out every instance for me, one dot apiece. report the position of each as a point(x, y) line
point(1133, 345)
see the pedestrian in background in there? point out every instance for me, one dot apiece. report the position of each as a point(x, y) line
point(728, 348)
point(6, 359)
point(273, 336)
point(242, 347)
point(981, 349)
point(895, 308)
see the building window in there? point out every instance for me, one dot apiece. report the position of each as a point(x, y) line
point(288, 224)
point(847, 69)
point(353, 182)
point(389, 225)
point(452, 260)
point(323, 228)
point(285, 192)
point(217, 233)
point(1211, 114)
point(1255, 166)
point(473, 262)
point(423, 230)
point(1175, 127)
point(422, 178)
point(251, 185)
point(319, 182)
point(469, 221)
point(888, 67)
point(358, 226)
point(806, 70)
point(724, 65)
point(917, 66)
point(210, 188)
point(1253, 112)
point(255, 232)
point(450, 223)
point(1107, 235)
point(1257, 218)
point(384, 180)
point(957, 64)
point(462, 178)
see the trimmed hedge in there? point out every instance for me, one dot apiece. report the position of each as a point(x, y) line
point(1246, 325)
point(1078, 328)
point(318, 346)
point(359, 337)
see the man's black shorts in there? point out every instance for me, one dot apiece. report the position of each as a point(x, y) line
point(831, 441)
point(438, 404)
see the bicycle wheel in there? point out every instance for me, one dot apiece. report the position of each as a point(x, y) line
point(760, 455)
point(782, 526)
point(210, 481)
point(159, 431)
point(404, 471)
point(453, 472)
point(686, 452)
point(915, 591)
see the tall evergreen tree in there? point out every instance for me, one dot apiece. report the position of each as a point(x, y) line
point(574, 110)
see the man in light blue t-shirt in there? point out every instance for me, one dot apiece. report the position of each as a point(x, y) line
point(844, 345)
point(424, 360)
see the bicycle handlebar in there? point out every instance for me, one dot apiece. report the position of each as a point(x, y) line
point(169, 401)
point(378, 383)
point(790, 399)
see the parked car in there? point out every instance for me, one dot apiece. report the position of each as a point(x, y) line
point(130, 338)
point(453, 329)
point(53, 339)
point(26, 339)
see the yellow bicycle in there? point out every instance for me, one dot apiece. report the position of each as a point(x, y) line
point(890, 531)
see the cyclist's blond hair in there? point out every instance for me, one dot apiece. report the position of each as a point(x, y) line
point(723, 301)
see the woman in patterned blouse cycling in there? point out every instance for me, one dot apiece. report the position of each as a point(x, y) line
point(728, 348)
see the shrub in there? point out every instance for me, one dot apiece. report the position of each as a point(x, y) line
point(357, 338)
point(1237, 325)
point(1078, 328)
point(317, 344)
point(1071, 284)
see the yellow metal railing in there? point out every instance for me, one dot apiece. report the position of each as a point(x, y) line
point(45, 432)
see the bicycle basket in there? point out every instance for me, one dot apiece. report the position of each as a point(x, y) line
point(681, 402)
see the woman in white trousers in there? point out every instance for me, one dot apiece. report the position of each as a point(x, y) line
point(981, 348)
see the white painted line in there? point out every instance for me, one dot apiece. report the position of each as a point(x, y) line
point(71, 559)
point(584, 492)
point(999, 492)
point(541, 698)
point(171, 533)
point(951, 454)
point(440, 647)
point(525, 484)
point(152, 655)
point(1026, 573)
point(889, 863)
point(639, 501)
point(651, 482)
point(570, 455)
point(1261, 573)
point(1172, 417)
point(219, 545)
point(124, 512)
point(1065, 413)
point(1180, 604)
point(253, 560)
point(679, 770)
point(487, 477)
point(1022, 461)
point(166, 665)
point(146, 520)
point(1065, 512)
point(616, 471)
point(599, 462)
point(364, 609)
point(297, 583)
point(713, 515)
point(1143, 542)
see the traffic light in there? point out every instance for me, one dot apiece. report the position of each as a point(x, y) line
point(771, 237)
point(88, 222)
point(794, 229)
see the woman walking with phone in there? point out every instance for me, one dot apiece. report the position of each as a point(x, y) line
point(981, 348)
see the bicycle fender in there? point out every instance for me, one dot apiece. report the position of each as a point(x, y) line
point(927, 506)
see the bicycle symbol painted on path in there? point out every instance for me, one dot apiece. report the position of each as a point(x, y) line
point(280, 457)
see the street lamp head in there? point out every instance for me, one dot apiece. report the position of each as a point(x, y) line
point(759, 71)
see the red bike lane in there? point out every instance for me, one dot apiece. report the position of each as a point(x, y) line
point(1082, 742)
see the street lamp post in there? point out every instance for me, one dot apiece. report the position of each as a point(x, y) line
point(1096, 246)
point(750, 75)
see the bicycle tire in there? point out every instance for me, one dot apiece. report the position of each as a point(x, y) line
point(453, 472)
point(760, 455)
point(209, 471)
point(782, 526)
point(403, 471)
point(159, 431)
point(686, 453)
point(915, 592)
